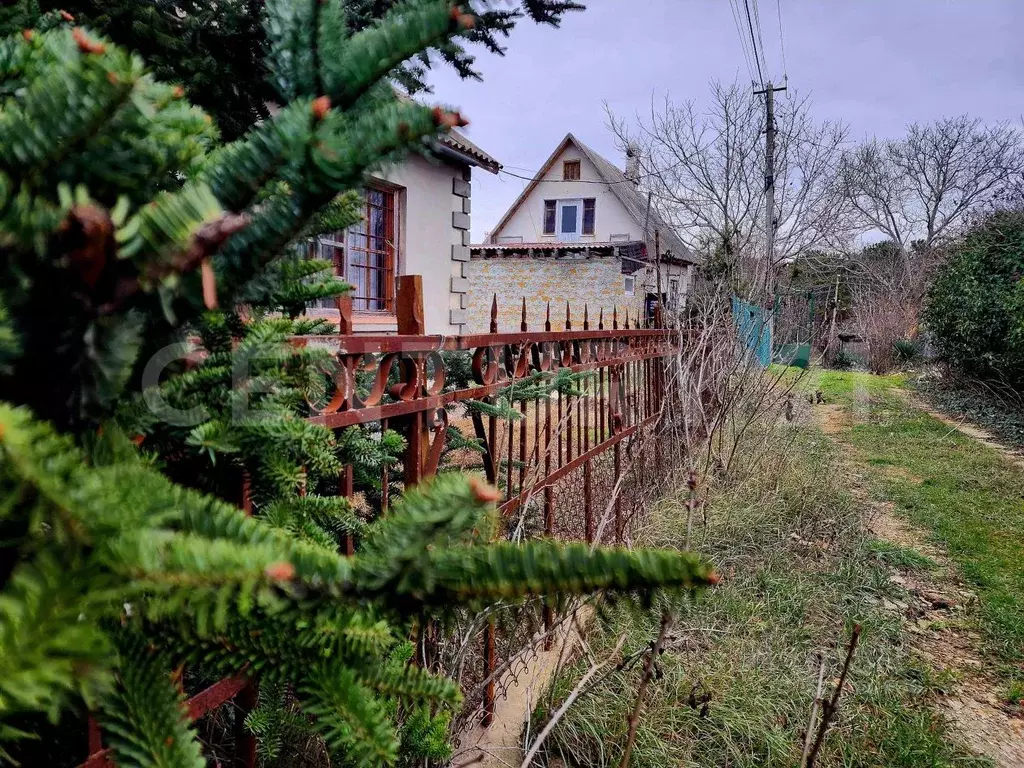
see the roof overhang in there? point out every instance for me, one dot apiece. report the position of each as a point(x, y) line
point(455, 146)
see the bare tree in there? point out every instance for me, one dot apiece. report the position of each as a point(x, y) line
point(705, 168)
point(918, 190)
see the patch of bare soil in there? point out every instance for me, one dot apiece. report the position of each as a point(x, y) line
point(833, 419)
point(501, 743)
point(936, 613)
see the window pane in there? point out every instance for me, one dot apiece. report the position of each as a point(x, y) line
point(371, 253)
point(549, 217)
point(588, 216)
point(569, 214)
point(571, 170)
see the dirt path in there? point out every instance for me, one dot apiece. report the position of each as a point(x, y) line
point(500, 745)
point(937, 607)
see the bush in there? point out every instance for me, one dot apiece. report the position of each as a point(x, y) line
point(844, 361)
point(905, 351)
point(975, 307)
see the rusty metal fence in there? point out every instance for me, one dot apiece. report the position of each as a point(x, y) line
point(576, 465)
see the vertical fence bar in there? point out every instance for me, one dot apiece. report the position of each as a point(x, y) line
point(523, 328)
point(490, 664)
point(385, 480)
point(245, 742)
point(348, 490)
point(245, 701)
point(549, 500)
point(489, 632)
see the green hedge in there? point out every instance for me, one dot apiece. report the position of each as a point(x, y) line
point(975, 307)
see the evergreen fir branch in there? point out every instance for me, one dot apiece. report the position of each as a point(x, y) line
point(291, 31)
point(164, 228)
point(413, 684)
point(348, 716)
point(51, 647)
point(344, 149)
point(457, 441)
point(430, 515)
point(351, 66)
point(239, 172)
point(333, 514)
point(425, 735)
point(222, 521)
point(314, 326)
point(340, 213)
point(501, 408)
point(144, 717)
point(62, 105)
point(507, 571)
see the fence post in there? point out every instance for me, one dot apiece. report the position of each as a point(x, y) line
point(410, 306)
point(409, 313)
point(344, 305)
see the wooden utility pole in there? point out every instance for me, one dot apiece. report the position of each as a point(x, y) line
point(769, 186)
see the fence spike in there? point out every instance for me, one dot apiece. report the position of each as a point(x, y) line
point(627, 319)
point(547, 321)
point(568, 317)
point(494, 314)
point(522, 322)
point(600, 320)
point(615, 317)
point(586, 317)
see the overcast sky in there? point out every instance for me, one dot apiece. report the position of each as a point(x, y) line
point(874, 64)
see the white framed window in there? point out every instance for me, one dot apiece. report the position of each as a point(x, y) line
point(628, 284)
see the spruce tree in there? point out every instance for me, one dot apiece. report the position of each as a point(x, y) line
point(124, 554)
point(215, 50)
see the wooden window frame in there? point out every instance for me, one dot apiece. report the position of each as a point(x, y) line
point(381, 259)
point(589, 210)
point(549, 217)
point(385, 254)
point(571, 170)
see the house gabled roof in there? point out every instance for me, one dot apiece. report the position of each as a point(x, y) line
point(627, 193)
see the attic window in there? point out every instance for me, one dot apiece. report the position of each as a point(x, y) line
point(571, 170)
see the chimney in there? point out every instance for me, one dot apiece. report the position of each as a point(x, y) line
point(632, 171)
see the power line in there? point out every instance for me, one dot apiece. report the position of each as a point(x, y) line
point(760, 40)
point(734, 7)
point(782, 42)
point(753, 42)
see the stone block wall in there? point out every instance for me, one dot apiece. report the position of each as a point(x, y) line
point(596, 281)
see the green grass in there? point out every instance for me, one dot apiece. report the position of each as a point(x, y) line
point(846, 386)
point(797, 574)
point(969, 497)
point(898, 556)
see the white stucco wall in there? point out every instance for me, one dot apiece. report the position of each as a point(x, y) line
point(426, 233)
point(610, 218)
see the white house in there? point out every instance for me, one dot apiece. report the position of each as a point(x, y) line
point(416, 223)
point(581, 231)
